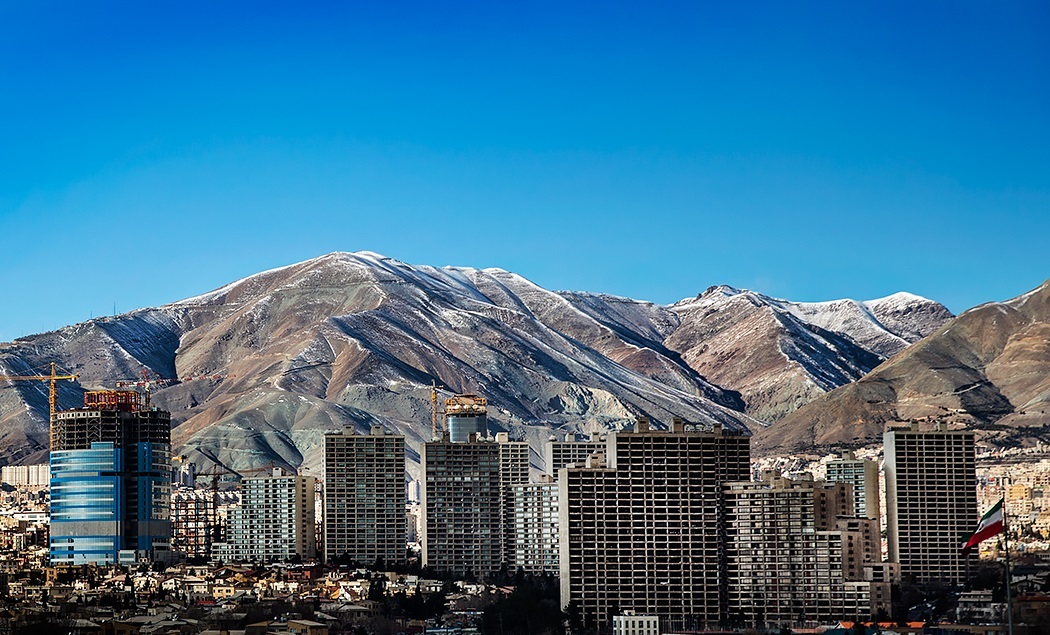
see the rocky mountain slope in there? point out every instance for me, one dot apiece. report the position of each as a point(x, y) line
point(780, 355)
point(989, 368)
point(356, 339)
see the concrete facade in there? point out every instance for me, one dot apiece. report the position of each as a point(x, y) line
point(467, 503)
point(274, 522)
point(863, 475)
point(558, 454)
point(931, 501)
point(797, 556)
point(365, 497)
point(643, 530)
point(536, 527)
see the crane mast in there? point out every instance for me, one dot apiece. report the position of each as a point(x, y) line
point(52, 393)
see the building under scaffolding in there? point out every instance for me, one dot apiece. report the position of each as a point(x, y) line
point(110, 481)
point(466, 415)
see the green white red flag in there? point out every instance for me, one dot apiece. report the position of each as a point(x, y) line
point(990, 525)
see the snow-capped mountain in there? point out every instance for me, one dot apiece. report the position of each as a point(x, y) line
point(780, 355)
point(358, 338)
point(987, 369)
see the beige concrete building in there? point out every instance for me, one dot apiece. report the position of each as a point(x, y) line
point(642, 530)
point(931, 501)
point(274, 522)
point(467, 503)
point(863, 475)
point(796, 556)
point(558, 454)
point(365, 497)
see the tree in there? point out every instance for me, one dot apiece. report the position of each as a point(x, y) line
point(532, 607)
point(377, 588)
point(859, 628)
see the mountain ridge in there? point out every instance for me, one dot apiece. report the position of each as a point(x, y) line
point(989, 369)
point(357, 338)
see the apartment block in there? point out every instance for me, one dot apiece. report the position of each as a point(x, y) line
point(931, 501)
point(642, 529)
point(467, 503)
point(863, 475)
point(365, 497)
point(558, 454)
point(536, 526)
point(274, 522)
point(28, 476)
point(796, 556)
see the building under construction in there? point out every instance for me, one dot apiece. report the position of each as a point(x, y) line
point(466, 415)
point(110, 481)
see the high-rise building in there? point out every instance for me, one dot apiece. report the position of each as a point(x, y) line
point(931, 501)
point(110, 481)
point(558, 454)
point(364, 497)
point(274, 522)
point(643, 529)
point(467, 503)
point(796, 556)
point(466, 415)
point(536, 526)
point(863, 475)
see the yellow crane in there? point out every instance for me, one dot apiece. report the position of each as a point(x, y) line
point(433, 410)
point(52, 394)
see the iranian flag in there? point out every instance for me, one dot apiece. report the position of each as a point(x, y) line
point(990, 525)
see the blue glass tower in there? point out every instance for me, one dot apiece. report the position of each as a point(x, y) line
point(87, 505)
point(110, 481)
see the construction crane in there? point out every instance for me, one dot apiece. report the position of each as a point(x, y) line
point(435, 424)
point(146, 384)
point(52, 394)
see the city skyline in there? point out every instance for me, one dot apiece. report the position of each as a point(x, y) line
point(810, 153)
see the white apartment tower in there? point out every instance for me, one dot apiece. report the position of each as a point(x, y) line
point(536, 526)
point(863, 475)
point(365, 497)
point(931, 501)
point(643, 529)
point(274, 522)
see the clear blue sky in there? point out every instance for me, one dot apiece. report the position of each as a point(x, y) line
point(808, 151)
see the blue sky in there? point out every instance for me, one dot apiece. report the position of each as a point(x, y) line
point(805, 150)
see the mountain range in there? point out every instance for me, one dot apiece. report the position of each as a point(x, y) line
point(267, 364)
point(987, 369)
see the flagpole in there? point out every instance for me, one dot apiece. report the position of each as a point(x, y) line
point(1006, 545)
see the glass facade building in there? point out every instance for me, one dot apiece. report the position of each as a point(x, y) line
point(110, 481)
point(86, 505)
